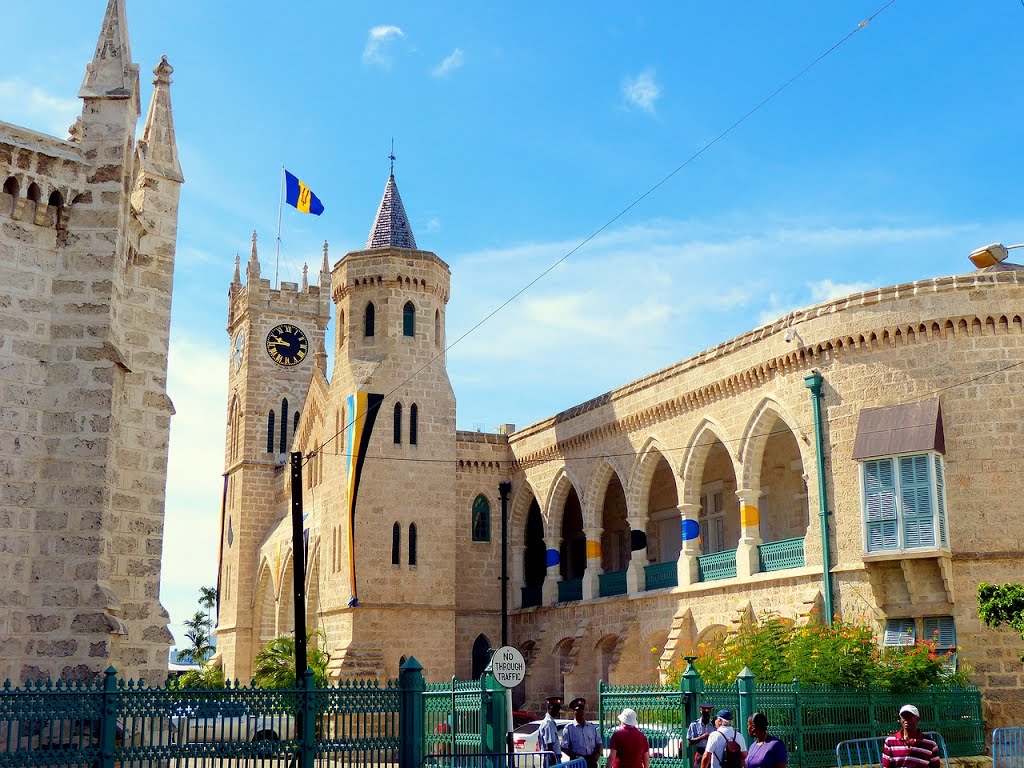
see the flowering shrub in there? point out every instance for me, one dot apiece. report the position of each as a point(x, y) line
point(844, 654)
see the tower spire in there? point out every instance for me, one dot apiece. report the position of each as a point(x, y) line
point(325, 267)
point(252, 269)
point(111, 72)
point(305, 276)
point(158, 147)
point(237, 280)
point(391, 227)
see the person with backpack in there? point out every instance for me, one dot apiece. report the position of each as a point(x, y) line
point(726, 748)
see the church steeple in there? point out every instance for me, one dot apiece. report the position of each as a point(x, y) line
point(158, 146)
point(111, 73)
point(391, 226)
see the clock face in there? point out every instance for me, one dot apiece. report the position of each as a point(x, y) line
point(287, 345)
point(238, 350)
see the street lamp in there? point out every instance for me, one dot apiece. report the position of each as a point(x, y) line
point(991, 255)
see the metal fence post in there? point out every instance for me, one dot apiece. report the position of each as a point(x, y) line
point(690, 685)
point(748, 705)
point(108, 719)
point(308, 744)
point(493, 724)
point(411, 687)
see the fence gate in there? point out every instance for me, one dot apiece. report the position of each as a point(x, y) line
point(463, 718)
point(1008, 748)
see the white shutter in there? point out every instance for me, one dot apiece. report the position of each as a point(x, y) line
point(880, 505)
point(916, 502)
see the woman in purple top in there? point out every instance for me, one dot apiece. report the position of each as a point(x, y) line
point(765, 750)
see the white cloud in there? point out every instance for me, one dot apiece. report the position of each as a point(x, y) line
point(433, 224)
point(24, 104)
point(451, 62)
point(378, 43)
point(641, 91)
point(826, 290)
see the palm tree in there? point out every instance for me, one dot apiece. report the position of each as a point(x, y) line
point(275, 664)
point(208, 599)
point(198, 635)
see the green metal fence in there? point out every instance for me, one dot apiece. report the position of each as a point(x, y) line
point(109, 722)
point(811, 720)
point(719, 565)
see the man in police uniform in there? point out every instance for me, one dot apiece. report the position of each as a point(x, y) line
point(547, 734)
point(580, 738)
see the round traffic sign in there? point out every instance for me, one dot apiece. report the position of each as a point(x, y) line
point(508, 666)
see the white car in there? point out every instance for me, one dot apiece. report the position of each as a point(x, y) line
point(664, 740)
point(524, 738)
point(229, 721)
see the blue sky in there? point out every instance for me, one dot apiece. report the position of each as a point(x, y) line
point(520, 129)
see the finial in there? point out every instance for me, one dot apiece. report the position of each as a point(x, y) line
point(305, 276)
point(238, 271)
point(162, 71)
point(391, 157)
point(325, 267)
point(252, 253)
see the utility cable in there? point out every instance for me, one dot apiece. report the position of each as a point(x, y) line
point(735, 124)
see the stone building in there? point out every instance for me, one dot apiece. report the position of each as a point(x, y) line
point(88, 226)
point(659, 515)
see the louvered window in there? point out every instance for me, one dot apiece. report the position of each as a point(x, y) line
point(899, 632)
point(941, 630)
point(904, 503)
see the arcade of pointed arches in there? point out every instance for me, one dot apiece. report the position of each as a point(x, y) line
point(650, 511)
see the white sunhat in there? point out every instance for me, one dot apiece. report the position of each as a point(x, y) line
point(911, 709)
point(628, 717)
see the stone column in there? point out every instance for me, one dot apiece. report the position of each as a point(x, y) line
point(747, 558)
point(549, 595)
point(687, 571)
point(591, 582)
point(636, 578)
point(518, 576)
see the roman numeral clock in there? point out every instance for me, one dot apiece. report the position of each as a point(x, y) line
point(287, 345)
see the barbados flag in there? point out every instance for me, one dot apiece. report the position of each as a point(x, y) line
point(299, 195)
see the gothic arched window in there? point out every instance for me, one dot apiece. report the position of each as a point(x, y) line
point(368, 320)
point(398, 423)
point(481, 519)
point(396, 544)
point(437, 328)
point(414, 413)
point(412, 543)
point(270, 432)
point(284, 425)
point(409, 319)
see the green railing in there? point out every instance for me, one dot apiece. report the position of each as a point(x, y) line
point(570, 589)
point(109, 722)
point(719, 565)
point(661, 575)
point(613, 583)
point(811, 720)
point(780, 555)
point(451, 718)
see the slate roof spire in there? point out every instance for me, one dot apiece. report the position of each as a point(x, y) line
point(391, 226)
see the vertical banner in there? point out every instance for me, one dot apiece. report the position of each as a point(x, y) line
point(363, 407)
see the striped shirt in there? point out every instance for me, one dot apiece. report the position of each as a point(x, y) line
point(921, 752)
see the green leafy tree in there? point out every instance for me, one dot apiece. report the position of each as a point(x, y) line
point(198, 636)
point(1002, 605)
point(275, 663)
point(207, 677)
point(208, 599)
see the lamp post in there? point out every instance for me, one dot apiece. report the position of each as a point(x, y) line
point(990, 255)
point(504, 489)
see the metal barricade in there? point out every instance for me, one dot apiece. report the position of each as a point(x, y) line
point(1008, 748)
point(539, 759)
point(868, 752)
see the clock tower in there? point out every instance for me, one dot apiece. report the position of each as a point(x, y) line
point(277, 349)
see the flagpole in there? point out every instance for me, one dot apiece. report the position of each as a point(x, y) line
point(280, 207)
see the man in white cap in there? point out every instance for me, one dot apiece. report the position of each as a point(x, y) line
point(909, 747)
point(629, 747)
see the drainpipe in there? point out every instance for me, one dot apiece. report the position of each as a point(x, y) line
point(813, 382)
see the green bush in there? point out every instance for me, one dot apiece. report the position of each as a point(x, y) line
point(844, 654)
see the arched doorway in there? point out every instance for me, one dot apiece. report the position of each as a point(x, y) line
point(534, 557)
